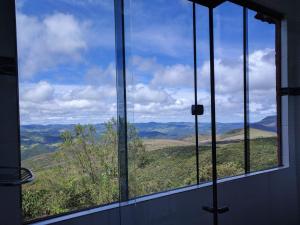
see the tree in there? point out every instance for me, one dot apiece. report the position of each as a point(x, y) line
point(94, 161)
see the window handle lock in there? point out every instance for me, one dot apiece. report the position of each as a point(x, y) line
point(197, 110)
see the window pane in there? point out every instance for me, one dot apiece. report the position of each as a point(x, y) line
point(262, 94)
point(204, 121)
point(160, 92)
point(228, 22)
point(67, 104)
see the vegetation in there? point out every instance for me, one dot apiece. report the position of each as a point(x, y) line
point(84, 171)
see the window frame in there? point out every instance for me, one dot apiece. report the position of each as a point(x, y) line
point(122, 109)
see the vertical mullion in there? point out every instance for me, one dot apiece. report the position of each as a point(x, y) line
point(278, 90)
point(246, 91)
point(121, 100)
point(195, 90)
point(213, 117)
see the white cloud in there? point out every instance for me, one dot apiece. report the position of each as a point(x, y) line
point(174, 76)
point(166, 96)
point(143, 94)
point(177, 81)
point(39, 92)
point(64, 34)
point(76, 104)
point(149, 103)
point(262, 69)
point(44, 103)
point(96, 75)
point(48, 42)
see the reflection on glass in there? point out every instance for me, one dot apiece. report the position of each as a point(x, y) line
point(262, 94)
point(228, 21)
point(160, 92)
point(67, 104)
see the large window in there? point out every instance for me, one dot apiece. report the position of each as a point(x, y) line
point(160, 90)
point(110, 94)
point(67, 104)
point(229, 88)
point(263, 100)
point(203, 93)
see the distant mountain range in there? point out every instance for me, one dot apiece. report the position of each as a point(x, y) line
point(172, 130)
point(267, 124)
point(39, 139)
point(179, 130)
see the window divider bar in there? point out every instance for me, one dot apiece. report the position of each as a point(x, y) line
point(278, 90)
point(246, 92)
point(196, 92)
point(213, 116)
point(121, 100)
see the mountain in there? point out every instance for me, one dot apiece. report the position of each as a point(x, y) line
point(268, 124)
point(179, 130)
point(40, 139)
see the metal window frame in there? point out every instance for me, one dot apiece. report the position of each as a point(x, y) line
point(196, 91)
point(213, 116)
point(269, 16)
point(244, 3)
point(121, 86)
point(278, 63)
point(122, 101)
point(246, 91)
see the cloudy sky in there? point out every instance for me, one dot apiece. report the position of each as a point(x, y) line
point(67, 74)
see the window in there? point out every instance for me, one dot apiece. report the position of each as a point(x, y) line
point(160, 89)
point(229, 88)
point(203, 93)
point(263, 97)
point(67, 104)
point(107, 93)
point(160, 92)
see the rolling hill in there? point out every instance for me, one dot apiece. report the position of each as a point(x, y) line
point(41, 139)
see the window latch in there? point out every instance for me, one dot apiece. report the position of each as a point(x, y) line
point(197, 110)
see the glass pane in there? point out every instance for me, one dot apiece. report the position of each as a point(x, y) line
point(160, 92)
point(67, 104)
point(228, 22)
point(262, 94)
point(204, 121)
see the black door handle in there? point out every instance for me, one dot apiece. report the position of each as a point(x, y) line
point(197, 110)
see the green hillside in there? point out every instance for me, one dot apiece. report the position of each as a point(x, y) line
point(83, 172)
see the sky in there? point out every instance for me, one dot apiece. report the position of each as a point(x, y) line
point(66, 51)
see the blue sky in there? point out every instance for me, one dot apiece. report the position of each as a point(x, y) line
point(66, 54)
